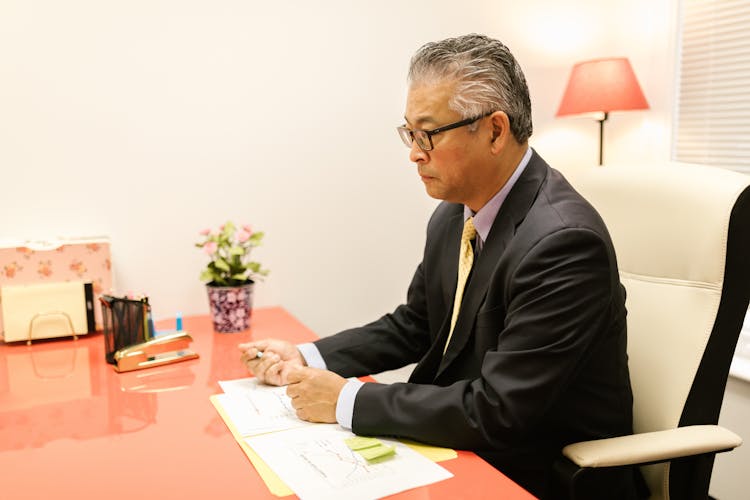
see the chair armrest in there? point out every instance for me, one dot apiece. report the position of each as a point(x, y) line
point(650, 447)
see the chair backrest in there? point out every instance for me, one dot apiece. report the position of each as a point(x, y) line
point(682, 237)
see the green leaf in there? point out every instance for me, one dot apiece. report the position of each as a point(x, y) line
point(228, 230)
point(221, 264)
point(239, 276)
point(238, 251)
point(255, 238)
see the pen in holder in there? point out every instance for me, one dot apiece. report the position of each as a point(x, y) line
point(126, 323)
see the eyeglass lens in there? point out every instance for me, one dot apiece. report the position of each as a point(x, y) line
point(422, 138)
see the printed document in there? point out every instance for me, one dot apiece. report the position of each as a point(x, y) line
point(256, 408)
point(316, 464)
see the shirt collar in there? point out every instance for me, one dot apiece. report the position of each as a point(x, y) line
point(485, 217)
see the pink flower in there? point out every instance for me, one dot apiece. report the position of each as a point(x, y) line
point(205, 232)
point(243, 235)
point(247, 228)
point(210, 247)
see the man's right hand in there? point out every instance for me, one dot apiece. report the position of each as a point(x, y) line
point(278, 358)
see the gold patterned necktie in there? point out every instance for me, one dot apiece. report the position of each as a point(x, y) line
point(465, 261)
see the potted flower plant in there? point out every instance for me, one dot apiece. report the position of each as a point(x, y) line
point(230, 274)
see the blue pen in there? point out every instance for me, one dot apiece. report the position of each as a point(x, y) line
point(151, 332)
point(178, 322)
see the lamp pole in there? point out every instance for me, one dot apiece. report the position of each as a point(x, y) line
point(601, 138)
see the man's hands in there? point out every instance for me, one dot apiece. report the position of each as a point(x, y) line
point(278, 359)
point(314, 393)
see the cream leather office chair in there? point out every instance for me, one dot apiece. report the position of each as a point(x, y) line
point(682, 237)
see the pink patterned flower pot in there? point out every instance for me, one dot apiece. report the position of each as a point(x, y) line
point(231, 307)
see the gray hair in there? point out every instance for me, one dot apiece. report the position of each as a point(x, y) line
point(488, 78)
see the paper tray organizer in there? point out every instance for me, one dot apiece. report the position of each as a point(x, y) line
point(52, 261)
point(46, 310)
point(129, 336)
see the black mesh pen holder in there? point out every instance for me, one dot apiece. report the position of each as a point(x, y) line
point(125, 323)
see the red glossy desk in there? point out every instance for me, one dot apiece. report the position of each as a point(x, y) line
point(73, 428)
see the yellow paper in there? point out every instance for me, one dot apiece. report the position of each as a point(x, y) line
point(434, 453)
point(275, 485)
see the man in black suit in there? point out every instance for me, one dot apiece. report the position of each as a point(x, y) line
point(531, 355)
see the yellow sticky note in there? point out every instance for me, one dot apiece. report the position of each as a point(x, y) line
point(359, 443)
point(378, 452)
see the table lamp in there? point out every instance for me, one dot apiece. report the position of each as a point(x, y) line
point(602, 86)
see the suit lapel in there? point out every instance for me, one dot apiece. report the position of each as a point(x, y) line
point(425, 370)
point(511, 214)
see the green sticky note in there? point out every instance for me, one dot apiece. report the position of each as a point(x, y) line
point(359, 443)
point(378, 452)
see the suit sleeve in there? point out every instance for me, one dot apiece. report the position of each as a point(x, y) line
point(558, 304)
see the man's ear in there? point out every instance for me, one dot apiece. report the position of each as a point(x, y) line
point(500, 130)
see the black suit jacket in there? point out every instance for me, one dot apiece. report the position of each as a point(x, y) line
point(538, 356)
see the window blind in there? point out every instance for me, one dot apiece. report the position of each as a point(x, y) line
point(712, 122)
point(713, 112)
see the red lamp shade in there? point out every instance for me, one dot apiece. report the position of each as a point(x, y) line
point(602, 85)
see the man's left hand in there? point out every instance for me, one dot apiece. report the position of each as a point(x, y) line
point(314, 393)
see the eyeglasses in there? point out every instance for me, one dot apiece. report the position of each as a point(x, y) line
point(424, 137)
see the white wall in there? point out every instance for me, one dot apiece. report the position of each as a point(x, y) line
point(150, 120)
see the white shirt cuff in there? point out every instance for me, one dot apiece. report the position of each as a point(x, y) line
point(312, 356)
point(345, 403)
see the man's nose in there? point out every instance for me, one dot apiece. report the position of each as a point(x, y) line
point(417, 154)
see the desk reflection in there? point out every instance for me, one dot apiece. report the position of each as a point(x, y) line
point(165, 378)
point(225, 357)
point(62, 389)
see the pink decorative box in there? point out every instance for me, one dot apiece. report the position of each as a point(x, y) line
point(64, 259)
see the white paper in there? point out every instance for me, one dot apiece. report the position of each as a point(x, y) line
point(316, 464)
point(256, 408)
point(242, 385)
